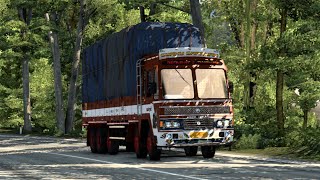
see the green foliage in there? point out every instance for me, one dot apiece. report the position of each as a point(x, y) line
point(306, 142)
point(131, 4)
point(300, 62)
point(167, 14)
point(248, 141)
point(10, 90)
point(110, 17)
point(309, 94)
point(255, 127)
point(3, 8)
point(42, 95)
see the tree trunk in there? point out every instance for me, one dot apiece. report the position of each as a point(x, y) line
point(265, 32)
point(279, 102)
point(75, 68)
point(267, 26)
point(242, 36)
point(25, 15)
point(153, 7)
point(142, 14)
point(197, 18)
point(280, 79)
point(26, 96)
point(53, 38)
point(254, 24)
point(305, 119)
point(253, 85)
point(248, 49)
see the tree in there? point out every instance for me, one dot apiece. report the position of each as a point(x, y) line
point(142, 14)
point(54, 43)
point(293, 9)
point(280, 76)
point(309, 94)
point(25, 14)
point(75, 67)
point(197, 17)
point(248, 52)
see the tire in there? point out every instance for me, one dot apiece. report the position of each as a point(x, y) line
point(93, 140)
point(130, 147)
point(191, 151)
point(140, 148)
point(154, 153)
point(113, 147)
point(208, 151)
point(101, 138)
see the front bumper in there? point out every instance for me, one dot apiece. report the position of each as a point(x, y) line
point(221, 137)
point(201, 144)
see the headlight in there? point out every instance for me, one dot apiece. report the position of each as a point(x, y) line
point(168, 124)
point(176, 124)
point(219, 124)
point(222, 123)
point(226, 123)
point(171, 124)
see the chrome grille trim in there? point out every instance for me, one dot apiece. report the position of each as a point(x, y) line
point(196, 110)
point(193, 124)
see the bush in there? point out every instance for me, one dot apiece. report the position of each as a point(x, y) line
point(248, 142)
point(307, 142)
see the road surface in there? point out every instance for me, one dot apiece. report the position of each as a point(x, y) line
point(27, 157)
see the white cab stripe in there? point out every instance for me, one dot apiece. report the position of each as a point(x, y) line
point(116, 111)
point(116, 127)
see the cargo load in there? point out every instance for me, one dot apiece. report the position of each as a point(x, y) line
point(109, 65)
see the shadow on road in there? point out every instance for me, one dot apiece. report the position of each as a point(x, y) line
point(26, 157)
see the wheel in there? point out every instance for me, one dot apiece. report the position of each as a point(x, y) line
point(140, 148)
point(154, 153)
point(113, 146)
point(93, 141)
point(208, 151)
point(191, 151)
point(101, 138)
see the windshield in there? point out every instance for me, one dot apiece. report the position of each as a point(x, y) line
point(211, 83)
point(177, 83)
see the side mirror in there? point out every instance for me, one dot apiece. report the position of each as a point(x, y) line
point(152, 89)
point(230, 87)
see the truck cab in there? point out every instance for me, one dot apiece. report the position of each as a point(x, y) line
point(188, 96)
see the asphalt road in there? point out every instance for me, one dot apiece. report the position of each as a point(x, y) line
point(26, 157)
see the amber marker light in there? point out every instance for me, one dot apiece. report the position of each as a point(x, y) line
point(161, 124)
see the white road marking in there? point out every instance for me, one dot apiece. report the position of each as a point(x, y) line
point(144, 169)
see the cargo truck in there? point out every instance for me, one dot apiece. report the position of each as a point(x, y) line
point(155, 86)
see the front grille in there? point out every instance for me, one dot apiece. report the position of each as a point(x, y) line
point(198, 124)
point(196, 110)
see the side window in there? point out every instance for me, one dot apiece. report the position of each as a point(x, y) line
point(151, 85)
point(144, 83)
point(155, 71)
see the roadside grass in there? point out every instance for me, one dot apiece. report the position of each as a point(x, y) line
point(271, 151)
point(9, 131)
point(276, 152)
point(77, 134)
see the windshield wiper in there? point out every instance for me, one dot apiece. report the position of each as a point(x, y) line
point(182, 77)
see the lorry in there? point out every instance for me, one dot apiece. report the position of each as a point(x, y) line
point(155, 86)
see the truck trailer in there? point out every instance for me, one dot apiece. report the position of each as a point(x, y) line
point(155, 86)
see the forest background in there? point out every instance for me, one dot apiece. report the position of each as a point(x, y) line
point(271, 48)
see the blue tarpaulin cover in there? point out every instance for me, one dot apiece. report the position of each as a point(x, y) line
point(109, 65)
